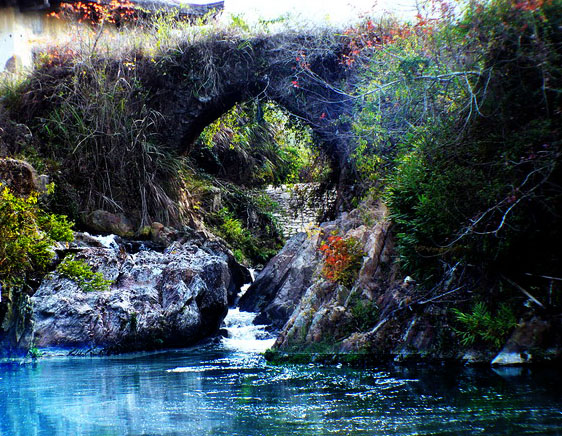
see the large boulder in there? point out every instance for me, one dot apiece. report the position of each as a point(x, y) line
point(19, 177)
point(297, 270)
point(169, 299)
point(278, 288)
point(106, 222)
point(536, 340)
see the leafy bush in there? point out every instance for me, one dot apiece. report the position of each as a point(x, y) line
point(34, 353)
point(80, 272)
point(458, 130)
point(364, 314)
point(481, 324)
point(245, 245)
point(27, 235)
point(342, 259)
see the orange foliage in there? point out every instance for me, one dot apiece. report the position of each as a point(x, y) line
point(97, 12)
point(342, 259)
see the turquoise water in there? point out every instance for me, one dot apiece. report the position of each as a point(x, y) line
point(227, 389)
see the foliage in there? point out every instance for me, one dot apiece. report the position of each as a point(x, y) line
point(81, 273)
point(481, 324)
point(34, 353)
point(342, 259)
point(457, 129)
point(101, 126)
point(257, 144)
point(364, 314)
point(114, 12)
point(27, 235)
point(246, 246)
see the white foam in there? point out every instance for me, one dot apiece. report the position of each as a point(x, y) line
point(243, 335)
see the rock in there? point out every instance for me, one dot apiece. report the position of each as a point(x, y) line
point(212, 199)
point(169, 299)
point(511, 358)
point(19, 176)
point(16, 329)
point(474, 357)
point(106, 222)
point(300, 204)
point(84, 240)
point(291, 292)
point(373, 317)
point(162, 235)
point(240, 274)
point(280, 285)
point(532, 341)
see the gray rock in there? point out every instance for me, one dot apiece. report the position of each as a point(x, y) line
point(107, 222)
point(532, 341)
point(169, 299)
point(291, 293)
point(280, 285)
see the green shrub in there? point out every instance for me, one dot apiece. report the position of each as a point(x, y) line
point(365, 315)
point(34, 353)
point(481, 324)
point(459, 131)
point(81, 273)
point(245, 245)
point(27, 235)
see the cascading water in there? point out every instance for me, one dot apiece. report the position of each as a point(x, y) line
point(108, 241)
point(243, 335)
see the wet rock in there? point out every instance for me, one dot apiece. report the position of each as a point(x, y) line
point(169, 299)
point(292, 293)
point(280, 285)
point(476, 357)
point(377, 316)
point(162, 235)
point(16, 328)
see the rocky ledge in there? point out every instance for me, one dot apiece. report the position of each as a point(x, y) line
point(168, 299)
point(382, 316)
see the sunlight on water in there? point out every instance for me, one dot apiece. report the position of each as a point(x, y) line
point(227, 388)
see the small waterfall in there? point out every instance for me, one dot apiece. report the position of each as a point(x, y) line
point(245, 287)
point(243, 335)
point(108, 241)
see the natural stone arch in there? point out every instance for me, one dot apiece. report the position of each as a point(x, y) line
point(173, 96)
point(303, 74)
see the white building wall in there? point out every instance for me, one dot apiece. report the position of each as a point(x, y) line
point(21, 32)
point(7, 35)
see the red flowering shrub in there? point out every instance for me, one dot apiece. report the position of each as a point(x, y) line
point(342, 259)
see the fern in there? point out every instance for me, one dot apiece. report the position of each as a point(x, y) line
point(481, 324)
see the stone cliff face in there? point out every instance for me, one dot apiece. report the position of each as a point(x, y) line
point(168, 299)
point(381, 316)
point(292, 293)
point(279, 287)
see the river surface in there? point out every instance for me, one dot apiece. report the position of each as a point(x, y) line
point(226, 388)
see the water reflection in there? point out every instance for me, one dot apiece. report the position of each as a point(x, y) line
point(217, 390)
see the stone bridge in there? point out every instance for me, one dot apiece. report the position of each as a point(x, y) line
point(302, 73)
